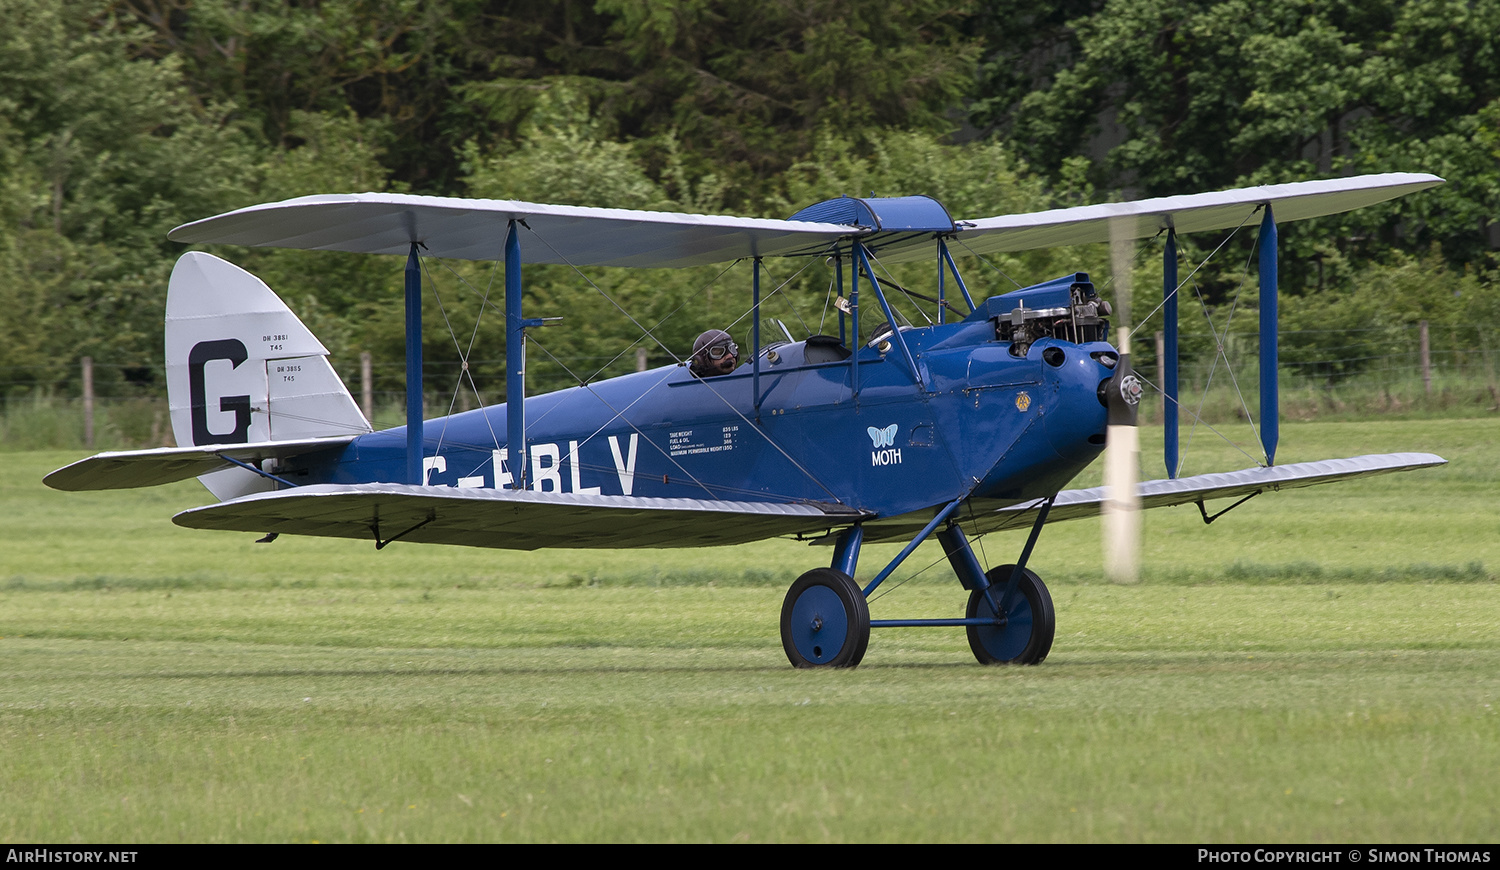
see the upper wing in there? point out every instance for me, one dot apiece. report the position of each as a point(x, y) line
point(125, 469)
point(512, 520)
point(1220, 210)
point(474, 229)
point(1075, 504)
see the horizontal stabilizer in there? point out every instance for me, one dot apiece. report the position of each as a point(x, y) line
point(510, 519)
point(127, 469)
point(1075, 504)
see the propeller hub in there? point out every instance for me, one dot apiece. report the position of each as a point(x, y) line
point(1122, 394)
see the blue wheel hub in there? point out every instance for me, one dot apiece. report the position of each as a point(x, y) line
point(819, 624)
point(1024, 635)
point(1006, 642)
point(825, 622)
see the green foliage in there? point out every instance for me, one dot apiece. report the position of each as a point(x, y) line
point(1381, 316)
point(344, 299)
point(745, 85)
point(120, 119)
point(102, 155)
point(1179, 96)
point(103, 151)
point(564, 157)
point(124, 119)
point(385, 61)
point(742, 83)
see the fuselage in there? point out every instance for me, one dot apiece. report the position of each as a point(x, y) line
point(974, 419)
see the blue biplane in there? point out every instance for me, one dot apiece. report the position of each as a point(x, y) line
point(972, 423)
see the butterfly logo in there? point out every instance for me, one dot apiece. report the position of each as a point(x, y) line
point(883, 437)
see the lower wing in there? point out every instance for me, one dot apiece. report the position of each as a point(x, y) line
point(1072, 504)
point(513, 520)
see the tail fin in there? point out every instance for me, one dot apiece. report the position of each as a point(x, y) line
point(241, 367)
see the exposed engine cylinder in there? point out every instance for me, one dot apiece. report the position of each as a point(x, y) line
point(1083, 320)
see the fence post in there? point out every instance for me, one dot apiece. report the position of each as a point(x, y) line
point(640, 359)
point(88, 401)
point(1425, 349)
point(366, 387)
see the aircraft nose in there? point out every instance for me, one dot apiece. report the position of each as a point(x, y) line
point(1076, 424)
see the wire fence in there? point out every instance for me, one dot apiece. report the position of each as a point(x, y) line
point(1371, 354)
point(123, 404)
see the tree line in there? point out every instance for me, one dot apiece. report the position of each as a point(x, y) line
point(120, 119)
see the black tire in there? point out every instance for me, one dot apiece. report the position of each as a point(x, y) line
point(825, 622)
point(1026, 637)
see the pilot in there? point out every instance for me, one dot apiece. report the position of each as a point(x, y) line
point(714, 353)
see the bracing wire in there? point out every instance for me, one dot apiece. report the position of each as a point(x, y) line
point(827, 301)
point(659, 324)
point(1184, 281)
point(1198, 419)
point(1223, 352)
point(465, 371)
point(787, 297)
point(600, 290)
point(981, 259)
point(767, 297)
point(891, 280)
point(463, 358)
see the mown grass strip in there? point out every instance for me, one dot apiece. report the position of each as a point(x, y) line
point(1320, 666)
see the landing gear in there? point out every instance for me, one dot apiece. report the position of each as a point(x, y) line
point(825, 622)
point(1025, 637)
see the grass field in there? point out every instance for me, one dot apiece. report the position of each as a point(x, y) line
point(1318, 666)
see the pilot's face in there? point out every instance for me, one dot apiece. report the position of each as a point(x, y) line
point(722, 357)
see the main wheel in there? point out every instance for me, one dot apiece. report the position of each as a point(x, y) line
point(825, 622)
point(1030, 622)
